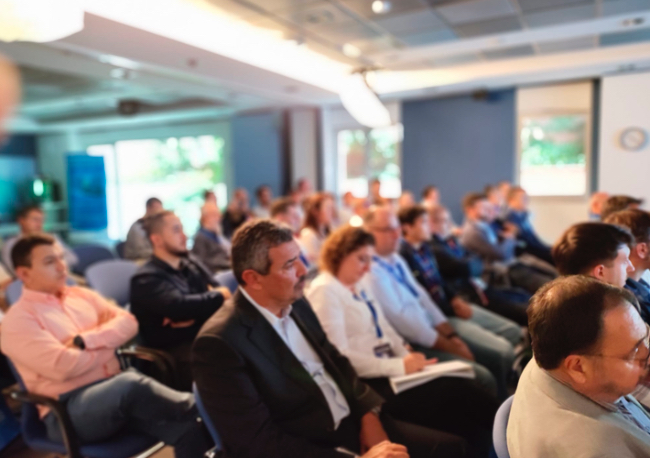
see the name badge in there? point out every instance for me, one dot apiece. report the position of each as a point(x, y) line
point(384, 351)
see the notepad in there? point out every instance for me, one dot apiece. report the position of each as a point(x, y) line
point(448, 369)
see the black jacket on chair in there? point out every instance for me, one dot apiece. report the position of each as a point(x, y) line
point(259, 396)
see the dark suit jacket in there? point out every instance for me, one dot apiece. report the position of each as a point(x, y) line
point(159, 291)
point(260, 398)
point(455, 264)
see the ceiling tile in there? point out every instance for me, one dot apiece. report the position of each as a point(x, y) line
point(275, 5)
point(501, 25)
point(344, 32)
point(475, 11)
point(613, 7)
point(577, 44)
point(534, 5)
point(409, 23)
point(456, 60)
point(508, 53)
point(625, 38)
point(364, 7)
point(560, 15)
point(428, 38)
point(320, 14)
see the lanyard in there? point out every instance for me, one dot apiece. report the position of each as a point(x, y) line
point(373, 312)
point(398, 274)
point(304, 259)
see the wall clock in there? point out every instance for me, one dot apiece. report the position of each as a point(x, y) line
point(634, 138)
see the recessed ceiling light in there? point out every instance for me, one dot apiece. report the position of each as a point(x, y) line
point(351, 50)
point(381, 6)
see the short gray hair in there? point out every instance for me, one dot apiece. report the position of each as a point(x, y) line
point(251, 245)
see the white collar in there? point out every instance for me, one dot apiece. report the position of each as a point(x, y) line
point(266, 313)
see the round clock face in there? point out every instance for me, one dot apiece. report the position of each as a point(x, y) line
point(634, 138)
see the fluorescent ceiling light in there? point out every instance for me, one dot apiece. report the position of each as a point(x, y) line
point(198, 24)
point(351, 51)
point(40, 20)
point(363, 104)
point(381, 6)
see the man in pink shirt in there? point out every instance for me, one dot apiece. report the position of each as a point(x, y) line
point(62, 341)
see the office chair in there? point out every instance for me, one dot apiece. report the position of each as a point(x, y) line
point(217, 451)
point(90, 254)
point(500, 428)
point(112, 279)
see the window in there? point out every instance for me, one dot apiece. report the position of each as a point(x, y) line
point(176, 170)
point(365, 154)
point(553, 159)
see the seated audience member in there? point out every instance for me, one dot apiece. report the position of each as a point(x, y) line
point(137, 245)
point(210, 198)
point(264, 196)
point(596, 202)
point(285, 211)
point(519, 216)
point(374, 192)
point(615, 204)
point(346, 210)
point(355, 324)
point(497, 205)
point(31, 220)
point(574, 398)
point(210, 247)
point(237, 213)
point(317, 225)
point(406, 199)
point(62, 340)
point(497, 250)
point(406, 304)
point(464, 271)
point(490, 337)
point(638, 223)
point(430, 196)
point(172, 295)
point(596, 250)
point(272, 383)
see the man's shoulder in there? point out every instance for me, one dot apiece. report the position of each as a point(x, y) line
point(226, 323)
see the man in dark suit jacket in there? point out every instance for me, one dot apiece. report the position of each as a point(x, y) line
point(273, 384)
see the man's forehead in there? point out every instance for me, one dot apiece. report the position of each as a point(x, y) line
point(623, 327)
point(284, 252)
point(42, 251)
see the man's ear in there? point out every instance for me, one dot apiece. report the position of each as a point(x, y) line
point(598, 272)
point(22, 273)
point(574, 367)
point(154, 239)
point(251, 279)
point(641, 251)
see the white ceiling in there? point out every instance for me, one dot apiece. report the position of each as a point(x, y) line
point(423, 48)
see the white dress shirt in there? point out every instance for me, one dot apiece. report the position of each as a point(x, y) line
point(409, 309)
point(288, 330)
point(349, 324)
point(311, 242)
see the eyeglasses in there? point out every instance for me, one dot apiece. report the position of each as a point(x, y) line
point(643, 360)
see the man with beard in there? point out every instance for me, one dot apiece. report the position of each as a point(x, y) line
point(591, 352)
point(172, 295)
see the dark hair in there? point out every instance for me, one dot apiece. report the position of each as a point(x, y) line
point(409, 215)
point(251, 244)
point(427, 190)
point(637, 221)
point(489, 188)
point(512, 193)
point(281, 206)
point(313, 205)
point(25, 211)
point(21, 253)
point(565, 317)
point(586, 245)
point(260, 189)
point(343, 241)
point(208, 192)
point(617, 203)
point(472, 198)
point(153, 224)
point(152, 201)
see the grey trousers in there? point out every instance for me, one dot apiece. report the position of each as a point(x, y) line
point(133, 402)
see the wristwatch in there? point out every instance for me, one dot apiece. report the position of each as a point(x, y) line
point(79, 342)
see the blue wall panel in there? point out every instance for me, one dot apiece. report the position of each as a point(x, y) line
point(257, 152)
point(458, 144)
point(17, 169)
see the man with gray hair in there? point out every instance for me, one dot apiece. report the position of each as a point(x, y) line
point(273, 384)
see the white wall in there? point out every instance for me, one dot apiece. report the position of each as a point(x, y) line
point(303, 143)
point(553, 215)
point(625, 102)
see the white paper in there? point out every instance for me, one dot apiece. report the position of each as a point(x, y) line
point(447, 369)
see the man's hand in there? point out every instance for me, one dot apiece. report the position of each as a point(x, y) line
point(461, 308)
point(225, 292)
point(372, 432)
point(455, 346)
point(415, 362)
point(509, 231)
point(177, 324)
point(387, 450)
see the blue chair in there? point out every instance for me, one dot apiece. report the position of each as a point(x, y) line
point(90, 254)
point(227, 279)
point(112, 279)
point(218, 447)
point(15, 289)
point(35, 435)
point(500, 428)
point(119, 249)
